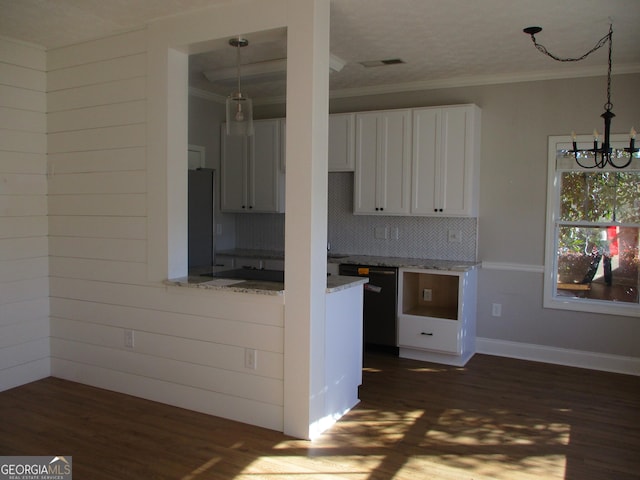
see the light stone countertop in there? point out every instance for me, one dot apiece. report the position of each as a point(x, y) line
point(427, 264)
point(335, 283)
point(400, 262)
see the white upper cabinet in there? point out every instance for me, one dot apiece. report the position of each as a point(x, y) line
point(446, 150)
point(383, 162)
point(342, 142)
point(251, 178)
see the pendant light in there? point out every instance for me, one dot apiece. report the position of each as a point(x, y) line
point(239, 107)
point(603, 154)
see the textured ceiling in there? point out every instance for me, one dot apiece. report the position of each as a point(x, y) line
point(443, 42)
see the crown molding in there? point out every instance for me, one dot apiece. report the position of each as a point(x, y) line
point(17, 41)
point(456, 82)
point(204, 94)
point(480, 80)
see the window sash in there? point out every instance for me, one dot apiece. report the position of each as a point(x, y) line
point(561, 160)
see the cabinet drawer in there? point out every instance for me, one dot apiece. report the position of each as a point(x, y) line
point(429, 334)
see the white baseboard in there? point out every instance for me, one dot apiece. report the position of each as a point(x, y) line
point(559, 356)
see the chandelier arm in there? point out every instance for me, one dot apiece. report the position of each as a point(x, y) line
point(614, 165)
point(584, 166)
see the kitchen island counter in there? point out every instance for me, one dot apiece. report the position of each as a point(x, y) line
point(335, 283)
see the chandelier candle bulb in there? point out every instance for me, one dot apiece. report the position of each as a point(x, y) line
point(573, 140)
point(632, 143)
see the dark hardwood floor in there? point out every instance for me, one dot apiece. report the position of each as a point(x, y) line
point(496, 418)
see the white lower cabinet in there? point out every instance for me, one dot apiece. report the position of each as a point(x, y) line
point(437, 315)
point(429, 334)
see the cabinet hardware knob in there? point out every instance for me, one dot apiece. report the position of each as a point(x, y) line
point(427, 334)
point(243, 206)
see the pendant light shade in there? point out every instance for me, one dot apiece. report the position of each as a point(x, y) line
point(239, 106)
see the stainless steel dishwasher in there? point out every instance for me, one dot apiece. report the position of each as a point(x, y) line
point(380, 305)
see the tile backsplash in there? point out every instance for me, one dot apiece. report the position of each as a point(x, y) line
point(393, 236)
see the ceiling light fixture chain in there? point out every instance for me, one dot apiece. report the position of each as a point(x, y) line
point(239, 106)
point(533, 30)
point(605, 151)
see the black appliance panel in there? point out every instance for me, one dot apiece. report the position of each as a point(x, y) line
point(380, 303)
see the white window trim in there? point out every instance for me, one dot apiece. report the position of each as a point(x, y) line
point(553, 208)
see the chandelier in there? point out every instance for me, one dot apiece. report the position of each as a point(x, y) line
point(602, 152)
point(239, 107)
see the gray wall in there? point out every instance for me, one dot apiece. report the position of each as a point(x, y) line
point(517, 120)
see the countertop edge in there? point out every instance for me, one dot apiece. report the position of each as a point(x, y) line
point(335, 283)
point(348, 282)
point(241, 287)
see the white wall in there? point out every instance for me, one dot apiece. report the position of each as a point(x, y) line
point(189, 344)
point(24, 290)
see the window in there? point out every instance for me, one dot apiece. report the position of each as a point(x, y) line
point(593, 227)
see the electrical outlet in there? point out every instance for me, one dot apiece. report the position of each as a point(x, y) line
point(496, 309)
point(380, 233)
point(427, 294)
point(129, 339)
point(250, 358)
point(455, 236)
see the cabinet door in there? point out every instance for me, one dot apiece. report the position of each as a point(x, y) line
point(367, 155)
point(456, 168)
point(382, 162)
point(395, 164)
point(341, 142)
point(444, 151)
point(234, 165)
point(264, 179)
point(425, 199)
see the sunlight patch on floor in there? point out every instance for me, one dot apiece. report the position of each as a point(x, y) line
point(202, 469)
point(319, 468)
point(493, 444)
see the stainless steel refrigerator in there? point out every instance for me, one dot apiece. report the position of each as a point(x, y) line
point(201, 217)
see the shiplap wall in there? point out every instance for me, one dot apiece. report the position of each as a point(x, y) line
point(189, 344)
point(24, 291)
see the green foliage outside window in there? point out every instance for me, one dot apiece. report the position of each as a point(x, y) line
point(599, 220)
